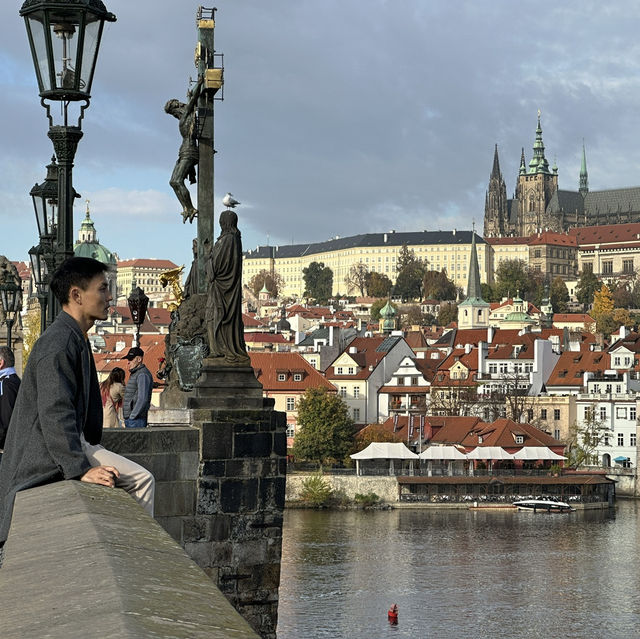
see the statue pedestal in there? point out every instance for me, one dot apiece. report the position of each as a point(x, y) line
point(235, 535)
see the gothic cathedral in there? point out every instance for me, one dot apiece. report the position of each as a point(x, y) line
point(539, 205)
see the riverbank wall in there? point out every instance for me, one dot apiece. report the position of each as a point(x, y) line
point(386, 488)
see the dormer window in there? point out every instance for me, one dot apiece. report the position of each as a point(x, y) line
point(282, 377)
point(519, 439)
point(351, 370)
point(480, 439)
point(297, 377)
point(339, 370)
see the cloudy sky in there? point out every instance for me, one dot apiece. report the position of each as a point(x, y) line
point(339, 117)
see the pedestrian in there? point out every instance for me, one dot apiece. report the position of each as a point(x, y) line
point(137, 394)
point(9, 385)
point(56, 426)
point(112, 392)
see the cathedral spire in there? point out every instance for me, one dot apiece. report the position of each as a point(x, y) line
point(584, 178)
point(495, 172)
point(538, 162)
point(523, 165)
point(474, 290)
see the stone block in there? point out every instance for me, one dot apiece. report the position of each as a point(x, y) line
point(214, 468)
point(127, 441)
point(163, 417)
point(272, 491)
point(256, 445)
point(249, 553)
point(280, 443)
point(220, 529)
point(175, 440)
point(173, 526)
point(175, 498)
point(217, 441)
point(238, 495)
point(195, 529)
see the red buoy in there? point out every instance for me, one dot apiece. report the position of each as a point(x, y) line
point(392, 615)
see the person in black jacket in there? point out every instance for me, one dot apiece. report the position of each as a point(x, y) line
point(9, 385)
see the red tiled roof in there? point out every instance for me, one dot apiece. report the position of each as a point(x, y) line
point(501, 433)
point(573, 317)
point(571, 366)
point(272, 338)
point(555, 239)
point(250, 321)
point(267, 366)
point(607, 234)
point(152, 345)
point(147, 263)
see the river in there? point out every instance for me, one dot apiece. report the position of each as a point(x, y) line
point(461, 574)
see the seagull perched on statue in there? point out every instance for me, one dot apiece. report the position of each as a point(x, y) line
point(229, 201)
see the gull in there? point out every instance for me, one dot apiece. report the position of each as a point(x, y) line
point(229, 201)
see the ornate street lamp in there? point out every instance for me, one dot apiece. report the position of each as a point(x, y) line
point(10, 298)
point(40, 272)
point(45, 201)
point(138, 303)
point(64, 37)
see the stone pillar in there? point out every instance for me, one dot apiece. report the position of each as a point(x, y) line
point(236, 533)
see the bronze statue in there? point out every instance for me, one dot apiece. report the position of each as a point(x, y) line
point(191, 283)
point(224, 298)
point(188, 154)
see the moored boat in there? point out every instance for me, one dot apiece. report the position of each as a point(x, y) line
point(543, 505)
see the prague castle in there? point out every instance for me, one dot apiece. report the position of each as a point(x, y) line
point(538, 204)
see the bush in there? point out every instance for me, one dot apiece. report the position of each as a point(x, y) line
point(316, 490)
point(368, 500)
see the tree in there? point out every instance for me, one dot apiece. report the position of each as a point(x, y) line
point(621, 317)
point(448, 313)
point(318, 281)
point(274, 283)
point(406, 257)
point(586, 438)
point(30, 333)
point(602, 311)
point(374, 311)
point(373, 433)
point(559, 295)
point(621, 291)
point(378, 284)
point(454, 397)
point(356, 278)
point(409, 282)
point(437, 286)
point(586, 287)
point(514, 277)
point(413, 316)
point(326, 430)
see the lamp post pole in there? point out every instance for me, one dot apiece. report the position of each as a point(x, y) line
point(10, 300)
point(64, 38)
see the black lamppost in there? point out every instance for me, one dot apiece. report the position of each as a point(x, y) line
point(10, 298)
point(64, 38)
point(138, 303)
point(40, 272)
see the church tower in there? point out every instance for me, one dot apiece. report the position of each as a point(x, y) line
point(536, 186)
point(584, 178)
point(496, 222)
point(474, 311)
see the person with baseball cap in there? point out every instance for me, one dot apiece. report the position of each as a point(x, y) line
point(137, 393)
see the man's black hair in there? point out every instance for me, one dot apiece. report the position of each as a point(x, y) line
point(76, 271)
point(6, 354)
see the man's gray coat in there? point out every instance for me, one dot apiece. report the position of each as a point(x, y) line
point(59, 399)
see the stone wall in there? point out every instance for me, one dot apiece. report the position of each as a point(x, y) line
point(84, 560)
point(385, 487)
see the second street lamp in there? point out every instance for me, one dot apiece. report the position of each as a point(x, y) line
point(40, 272)
point(138, 303)
point(64, 38)
point(10, 299)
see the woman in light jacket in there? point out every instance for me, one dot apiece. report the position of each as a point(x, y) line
point(112, 391)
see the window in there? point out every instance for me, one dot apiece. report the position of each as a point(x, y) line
point(414, 381)
point(282, 377)
point(556, 433)
point(543, 413)
point(343, 391)
point(603, 412)
point(519, 439)
point(493, 368)
point(314, 362)
point(627, 266)
point(632, 439)
point(621, 413)
point(291, 403)
point(616, 361)
point(620, 439)
point(530, 414)
point(607, 267)
point(587, 267)
point(297, 377)
point(356, 392)
point(537, 253)
point(291, 431)
point(606, 440)
point(339, 370)
point(400, 381)
point(632, 412)
point(556, 414)
point(356, 414)
point(351, 370)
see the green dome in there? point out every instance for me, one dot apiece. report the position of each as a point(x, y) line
point(518, 316)
point(387, 311)
point(88, 245)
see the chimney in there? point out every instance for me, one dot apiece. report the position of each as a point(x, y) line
point(330, 335)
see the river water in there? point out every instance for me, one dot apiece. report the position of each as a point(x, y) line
point(461, 574)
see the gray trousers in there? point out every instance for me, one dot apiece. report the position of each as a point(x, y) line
point(134, 479)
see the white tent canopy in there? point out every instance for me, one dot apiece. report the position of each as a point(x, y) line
point(385, 450)
point(489, 452)
point(536, 452)
point(442, 452)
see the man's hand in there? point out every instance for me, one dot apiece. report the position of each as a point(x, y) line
point(103, 475)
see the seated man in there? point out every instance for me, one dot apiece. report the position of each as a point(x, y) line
point(56, 426)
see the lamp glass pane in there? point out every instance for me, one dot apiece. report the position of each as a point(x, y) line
point(91, 39)
point(36, 27)
point(64, 41)
point(38, 205)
